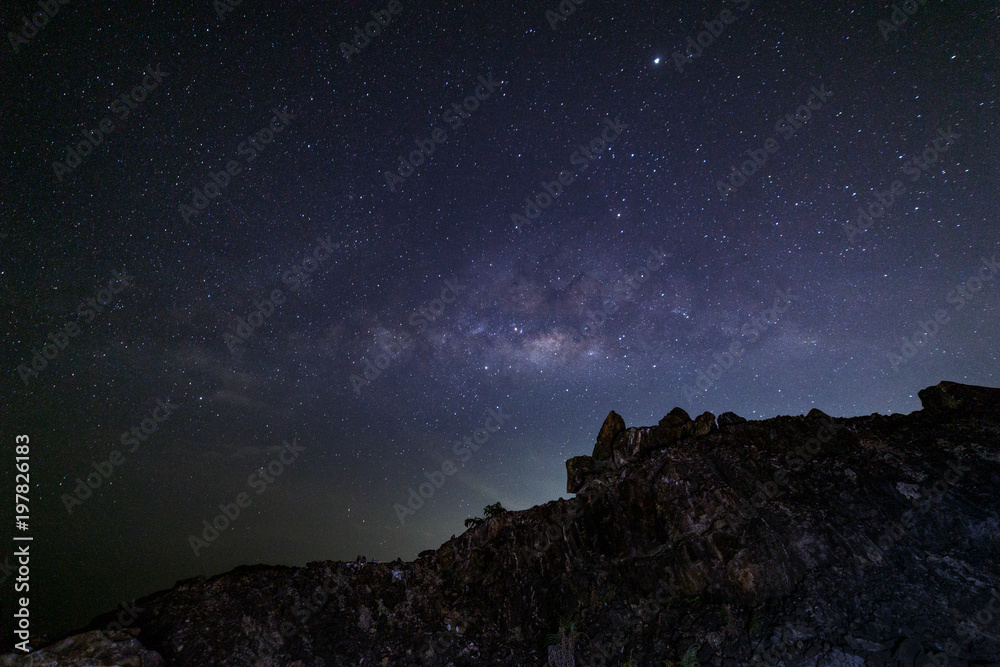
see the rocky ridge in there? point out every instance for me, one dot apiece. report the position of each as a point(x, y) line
point(720, 541)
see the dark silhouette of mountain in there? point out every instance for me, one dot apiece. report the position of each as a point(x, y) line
point(804, 540)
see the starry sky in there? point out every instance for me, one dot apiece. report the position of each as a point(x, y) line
point(252, 254)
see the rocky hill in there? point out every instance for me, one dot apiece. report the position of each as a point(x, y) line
point(804, 540)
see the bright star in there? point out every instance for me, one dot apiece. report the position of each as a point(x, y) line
point(656, 61)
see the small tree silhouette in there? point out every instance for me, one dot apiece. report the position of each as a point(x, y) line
point(490, 511)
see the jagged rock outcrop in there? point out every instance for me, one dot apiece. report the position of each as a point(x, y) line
point(672, 427)
point(795, 540)
point(581, 469)
point(612, 427)
point(952, 398)
point(620, 445)
point(702, 425)
point(676, 417)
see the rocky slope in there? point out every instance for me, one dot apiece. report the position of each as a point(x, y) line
point(713, 541)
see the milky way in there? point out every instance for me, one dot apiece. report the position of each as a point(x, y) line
point(350, 237)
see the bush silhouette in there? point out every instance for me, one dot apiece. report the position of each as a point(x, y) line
point(489, 512)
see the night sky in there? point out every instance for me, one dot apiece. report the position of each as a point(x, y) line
point(321, 275)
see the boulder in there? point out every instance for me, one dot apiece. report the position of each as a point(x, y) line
point(730, 419)
point(951, 396)
point(703, 425)
point(673, 427)
point(612, 427)
point(676, 417)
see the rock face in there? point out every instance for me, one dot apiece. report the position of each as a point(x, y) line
point(794, 540)
point(579, 470)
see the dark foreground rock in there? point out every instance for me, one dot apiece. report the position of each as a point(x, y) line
point(789, 541)
point(110, 647)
